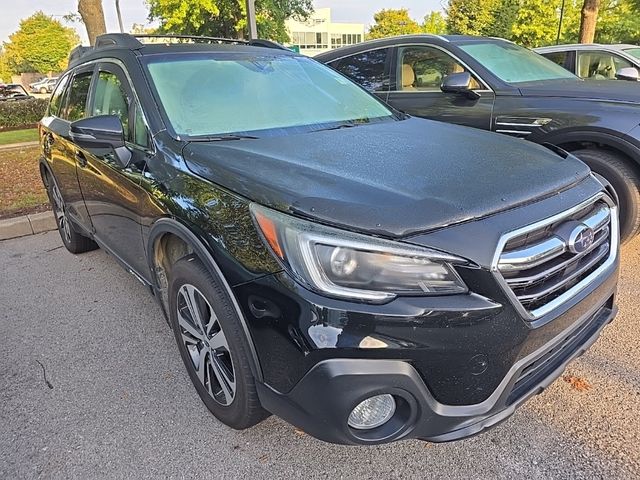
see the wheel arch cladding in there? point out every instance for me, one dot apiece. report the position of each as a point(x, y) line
point(168, 239)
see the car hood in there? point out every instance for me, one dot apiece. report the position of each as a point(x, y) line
point(611, 90)
point(392, 179)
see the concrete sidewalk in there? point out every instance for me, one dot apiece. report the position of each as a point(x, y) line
point(19, 145)
point(27, 225)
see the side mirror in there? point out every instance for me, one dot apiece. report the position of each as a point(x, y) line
point(628, 73)
point(101, 135)
point(459, 83)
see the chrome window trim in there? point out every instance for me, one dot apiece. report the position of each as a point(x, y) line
point(573, 291)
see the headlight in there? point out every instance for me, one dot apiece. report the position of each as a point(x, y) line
point(348, 265)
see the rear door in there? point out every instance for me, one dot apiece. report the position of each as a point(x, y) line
point(112, 193)
point(67, 102)
point(417, 73)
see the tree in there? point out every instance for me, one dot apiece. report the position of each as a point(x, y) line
point(41, 45)
point(227, 18)
point(617, 22)
point(93, 18)
point(470, 17)
point(5, 71)
point(588, 21)
point(390, 22)
point(435, 23)
point(505, 14)
point(536, 23)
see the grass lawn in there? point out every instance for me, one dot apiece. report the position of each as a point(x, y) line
point(21, 190)
point(19, 136)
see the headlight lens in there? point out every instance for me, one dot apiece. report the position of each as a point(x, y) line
point(348, 265)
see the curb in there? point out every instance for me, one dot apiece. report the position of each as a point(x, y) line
point(9, 146)
point(27, 225)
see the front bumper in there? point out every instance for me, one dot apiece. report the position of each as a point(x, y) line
point(321, 401)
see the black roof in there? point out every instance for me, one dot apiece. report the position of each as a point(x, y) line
point(118, 42)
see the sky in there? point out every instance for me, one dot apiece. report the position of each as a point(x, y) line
point(135, 11)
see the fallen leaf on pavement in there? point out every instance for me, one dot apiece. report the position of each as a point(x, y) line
point(577, 383)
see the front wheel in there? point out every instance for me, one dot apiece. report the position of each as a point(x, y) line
point(213, 345)
point(624, 180)
point(43, 90)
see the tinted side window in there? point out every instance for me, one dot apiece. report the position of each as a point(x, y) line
point(111, 99)
point(78, 94)
point(56, 97)
point(559, 58)
point(367, 69)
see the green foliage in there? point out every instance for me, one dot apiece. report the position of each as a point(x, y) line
point(535, 23)
point(434, 23)
point(505, 14)
point(22, 113)
point(471, 17)
point(390, 22)
point(226, 18)
point(5, 71)
point(41, 44)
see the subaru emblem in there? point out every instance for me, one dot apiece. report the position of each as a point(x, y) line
point(581, 239)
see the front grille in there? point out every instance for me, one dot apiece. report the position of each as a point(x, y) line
point(545, 263)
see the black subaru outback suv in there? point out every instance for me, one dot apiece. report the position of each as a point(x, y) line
point(495, 85)
point(366, 276)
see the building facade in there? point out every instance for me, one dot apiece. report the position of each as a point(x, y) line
point(319, 34)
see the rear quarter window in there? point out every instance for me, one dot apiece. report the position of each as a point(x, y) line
point(56, 97)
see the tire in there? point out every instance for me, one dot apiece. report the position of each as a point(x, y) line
point(43, 90)
point(217, 365)
point(624, 180)
point(72, 240)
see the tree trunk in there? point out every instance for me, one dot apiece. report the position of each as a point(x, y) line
point(588, 21)
point(93, 18)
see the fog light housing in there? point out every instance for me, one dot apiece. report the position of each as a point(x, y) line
point(372, 412)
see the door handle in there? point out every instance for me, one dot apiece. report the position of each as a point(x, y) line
point(81, 159)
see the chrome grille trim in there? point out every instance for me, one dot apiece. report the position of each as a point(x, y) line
point(604, 221)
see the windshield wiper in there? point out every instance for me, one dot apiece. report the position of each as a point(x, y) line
point(221, 138)
point(338, 127)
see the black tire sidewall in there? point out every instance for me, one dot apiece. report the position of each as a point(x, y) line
point(241, 413)
point(625, 183)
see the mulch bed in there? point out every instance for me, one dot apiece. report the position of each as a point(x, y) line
point(21, 189)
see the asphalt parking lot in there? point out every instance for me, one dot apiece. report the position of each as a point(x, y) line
point(119, 403)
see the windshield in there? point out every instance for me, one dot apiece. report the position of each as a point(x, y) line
point(225, 93)
point(635, 52)
point(514, 64)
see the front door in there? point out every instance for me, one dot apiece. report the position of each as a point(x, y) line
point(112, 193)
point(418, 72)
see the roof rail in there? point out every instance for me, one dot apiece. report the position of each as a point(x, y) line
point(77, 53)
point(132, 42)
point(118, 40)
point(258, 42)
point(193, 38)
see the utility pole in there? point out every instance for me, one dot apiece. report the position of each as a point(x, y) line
point(251, 19)
point(119, 16)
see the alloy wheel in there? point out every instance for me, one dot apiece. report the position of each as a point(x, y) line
point(206, 343)
point(60, 213)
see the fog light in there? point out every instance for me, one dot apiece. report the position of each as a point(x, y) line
point(372, 412)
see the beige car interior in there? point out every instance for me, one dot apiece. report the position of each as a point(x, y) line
point(431, 79)
point(598, 66)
